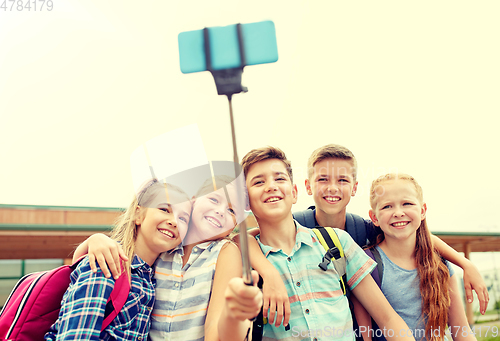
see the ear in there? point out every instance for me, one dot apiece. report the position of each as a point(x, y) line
point(294, 194)
point(424, 211)
point(139, 216)
point(373, 217)
point(354, 189)
point(308, 187)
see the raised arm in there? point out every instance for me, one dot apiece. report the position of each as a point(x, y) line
point(106, 251)
point(472, 278)
point(232, 303)
point(369, 295)
point(276, 306)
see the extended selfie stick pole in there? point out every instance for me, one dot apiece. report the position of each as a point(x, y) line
point(228, 82)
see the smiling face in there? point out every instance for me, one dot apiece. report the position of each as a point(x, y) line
point(397, 209)
point(213, 216)
point(161, 225)
point(270, 190)
point(332, 184)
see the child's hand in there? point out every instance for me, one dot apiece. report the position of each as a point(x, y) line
point(243, 302)
point(275, 299)
point(107, 252)
point(474, 281)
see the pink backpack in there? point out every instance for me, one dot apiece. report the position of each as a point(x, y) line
point(34, 303)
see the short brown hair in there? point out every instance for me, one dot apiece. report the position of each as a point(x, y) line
point(265, 153)
point(331, 151)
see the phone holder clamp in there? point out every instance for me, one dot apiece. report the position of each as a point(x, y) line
point(227, 81)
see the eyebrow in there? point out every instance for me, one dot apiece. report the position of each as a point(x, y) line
point(281, 173)
point(256, 177)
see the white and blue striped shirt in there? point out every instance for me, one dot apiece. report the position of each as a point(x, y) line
point(183, 293)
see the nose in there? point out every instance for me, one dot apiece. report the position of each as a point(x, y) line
point(399, 212)
point(219, 210)
point(271, 186)
point(332, 188)
point(172, 222)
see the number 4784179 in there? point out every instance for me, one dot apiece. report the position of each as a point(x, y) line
point(26, 5)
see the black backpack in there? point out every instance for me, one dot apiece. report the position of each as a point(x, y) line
point(354, 224)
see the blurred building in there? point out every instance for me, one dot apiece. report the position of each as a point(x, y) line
point(37, 238)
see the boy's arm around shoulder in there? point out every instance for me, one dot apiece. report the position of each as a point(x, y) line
point(457, 321)
point(227, 318)
point(276, 300)
point(472, 278)
point(105, 251)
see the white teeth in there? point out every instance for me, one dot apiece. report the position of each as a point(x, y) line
point(332, 199)
point(167, 233)
point(403, 223)
point(273, 199)
point(213, 221)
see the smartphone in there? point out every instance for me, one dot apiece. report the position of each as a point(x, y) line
point(259, 45)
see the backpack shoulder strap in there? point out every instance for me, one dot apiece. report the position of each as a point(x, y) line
point(117, 298)
point(328, 238)
point(330, 241)
point(306, 218)
point(355, 226)
point(375, 255)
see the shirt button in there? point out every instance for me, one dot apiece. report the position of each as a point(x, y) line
point(139, 338)
point(315, 339)
point(289, 259)
point(307, 311)
point(176, 285)
point(195, 249)
point(298, 284)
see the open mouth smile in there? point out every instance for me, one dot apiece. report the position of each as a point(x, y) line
point(332, 199)
point(167, 233)
point(272, 199)
point(213, 221)
point(400, 224)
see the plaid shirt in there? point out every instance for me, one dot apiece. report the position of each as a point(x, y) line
point(84, 303)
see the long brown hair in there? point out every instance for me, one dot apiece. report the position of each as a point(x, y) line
point(433, 272)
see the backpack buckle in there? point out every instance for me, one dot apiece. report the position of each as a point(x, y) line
point(332, 253)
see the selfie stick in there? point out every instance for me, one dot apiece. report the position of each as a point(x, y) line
point(228, 82)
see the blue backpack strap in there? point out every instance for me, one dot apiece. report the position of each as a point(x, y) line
point(377, 275)
point(355, 226)
point(307, 217)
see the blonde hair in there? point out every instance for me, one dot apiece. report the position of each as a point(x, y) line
point(432, 271)
point(265, 153)
point(332, 151)
point(125, 229)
